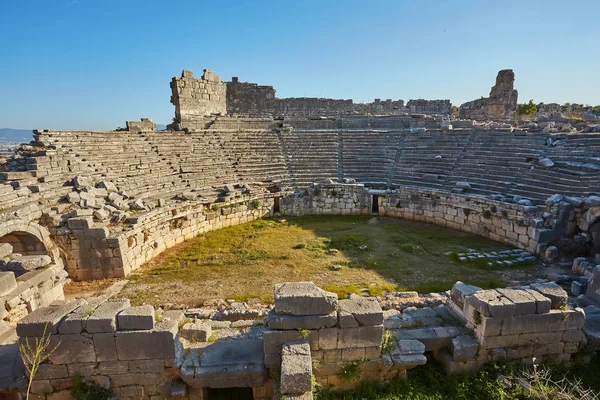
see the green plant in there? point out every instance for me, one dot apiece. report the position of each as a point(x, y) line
point(34, 354)
point(388, 342)
point(119, 129)
point(183, 322)
point(89, 390)
point(350, 371)
point(304, 333)
point(158, 316)
point(255, 204)
point(316, 364)
point(476, 317)
point(528, 109)
point(212, 338)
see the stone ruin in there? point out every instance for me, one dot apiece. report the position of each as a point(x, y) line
point(308, 335)
point(92, 205)
point(501, 105)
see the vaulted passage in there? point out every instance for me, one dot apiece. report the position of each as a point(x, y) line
point(24, 243)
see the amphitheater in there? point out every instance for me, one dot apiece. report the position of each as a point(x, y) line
point(80, 206)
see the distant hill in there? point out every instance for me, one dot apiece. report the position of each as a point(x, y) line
point(8, 135)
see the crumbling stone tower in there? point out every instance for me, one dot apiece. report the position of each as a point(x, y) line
point(502, 103)
point(195, 98)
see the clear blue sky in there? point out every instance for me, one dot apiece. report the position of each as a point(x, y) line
point(92, 64)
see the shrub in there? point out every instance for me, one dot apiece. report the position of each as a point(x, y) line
point(528, 109)
point(388, 342)
point(89, 390)
point(350, 371)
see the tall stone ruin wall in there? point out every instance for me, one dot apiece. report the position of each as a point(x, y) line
point(501, 105)
point(197, 98)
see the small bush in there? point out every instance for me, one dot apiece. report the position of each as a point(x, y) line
point(255, 204)
point(388, 342)
point(476, 317)
point(350, 371)
point(528, 109)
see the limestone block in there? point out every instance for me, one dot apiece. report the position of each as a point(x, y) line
point(80, 223)
point(491, 303)
point(366, 312)
point(303, 298)
point(75, 321)
point(197, 331)
point(524, 302)
point(273, 340)
point(109, 186)
point(364, 336)
point(103, 319)
point(464, 348)
point(77, 348)
point(49, 317)
point(542, 303)
point(105, 346)
point(554, 292)
point(28, 263)
point(136, 318)
point(462, 290)
point(5, 249)
point(328, 338)
point(7, 282)
point(288, 322)
point(82, 182)
point(296, 368)
point(159, 342)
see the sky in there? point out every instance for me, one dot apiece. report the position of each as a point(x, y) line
point(93, 64)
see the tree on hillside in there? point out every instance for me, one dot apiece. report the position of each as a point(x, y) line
point(528, 109)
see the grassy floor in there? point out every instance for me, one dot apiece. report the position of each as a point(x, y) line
point(245, 261)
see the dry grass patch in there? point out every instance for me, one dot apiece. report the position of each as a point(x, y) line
point(374, 254)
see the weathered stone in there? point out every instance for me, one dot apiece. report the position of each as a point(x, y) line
point(7, 282)
point(464, 348)
point(156, 343)
point(105, 346)
point(5, 249)
point(136, 318)
point(28, 263)
point(524, 302)
point(366, 312)
point(196, 331)
point(462, 290)
point(491, 303)
point(303, 298)
point(45, 319)
point(554, 292)
point(287, 322)
point(104, 317)
point(296, 368)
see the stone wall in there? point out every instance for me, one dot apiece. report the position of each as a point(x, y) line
point(501, 105)
point(144, 125)
point(530, 324)
point(130, 350)
point(436, 107)
point(514, 224)
point(196, 98)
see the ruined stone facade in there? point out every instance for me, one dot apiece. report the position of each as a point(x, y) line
point(198, 98)
point(501, 105)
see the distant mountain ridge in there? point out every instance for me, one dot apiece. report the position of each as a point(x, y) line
point(9, 135)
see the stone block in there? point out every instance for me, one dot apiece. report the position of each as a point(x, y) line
point(491, 303)
point(75, 321)
point(152, 344)
point(104, 317)
point(7, 282)
point(366, 311)
point(35, 323)
point(363, 336)
point(543, 304)
point(136, 318)
point(408, 360)
point(303, 298)
point(464, 348)
point(273, 340)
point(28, 263)
point(289, 322)
point(554, 292)
point(77, 348)
point(197, 331)
point(105, 346)
point(80, 223)
point(408, 346)
point(328, 338)
point(296, 368)
point(460, 291)
point(5, 250)
point(524, 303)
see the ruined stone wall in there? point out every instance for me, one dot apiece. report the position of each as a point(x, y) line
point(145, 125)
point(507, 223)
point(196, 98)
point(251, 99)
point(501, 105)
point(109, 344)
point(436, 107)
point(514, 224)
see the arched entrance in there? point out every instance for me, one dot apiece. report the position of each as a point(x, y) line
point(28, 239)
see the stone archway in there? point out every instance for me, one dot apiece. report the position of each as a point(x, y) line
point(28, 238)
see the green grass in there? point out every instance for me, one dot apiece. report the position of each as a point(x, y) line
point(245, 261)
point(493, 382)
